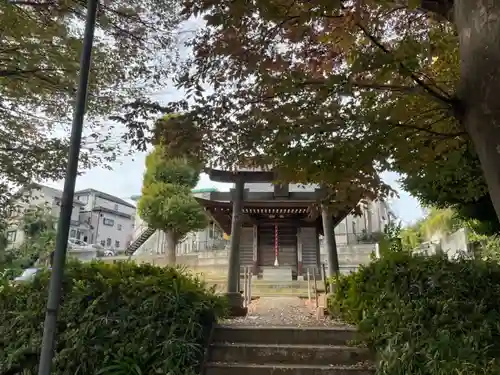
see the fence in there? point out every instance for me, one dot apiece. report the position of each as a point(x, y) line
point(187, 247)
point(343, 239)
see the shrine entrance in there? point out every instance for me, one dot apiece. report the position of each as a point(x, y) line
point(277, 246)
point(271, 227)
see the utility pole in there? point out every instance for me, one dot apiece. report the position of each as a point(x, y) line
point(59, 257)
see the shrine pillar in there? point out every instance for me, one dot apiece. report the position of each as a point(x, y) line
point(329, 241)
point(233, 277)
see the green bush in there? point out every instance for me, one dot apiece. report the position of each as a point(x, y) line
point(425, 315)
point(115, 319)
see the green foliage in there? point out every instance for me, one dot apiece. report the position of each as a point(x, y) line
point(455, 181)
point(37, 221)
point(172, 208)
point(115, 319)
point(38, 226)
point(162, 168)
point(410, 238)
point(40, 47)
point(436, 221)
point(323, 91)
point(181, 137)
point(439, 221)
point(166, 202)
point(481, 215)
point(425, 315)
point(390, 239)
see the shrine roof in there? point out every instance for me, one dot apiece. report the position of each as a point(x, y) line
point(247, 174)
point(266, 196)
point(256, 204)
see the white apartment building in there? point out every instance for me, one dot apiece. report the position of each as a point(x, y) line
point(358, 229)
point(44, 196)
point(111, 219)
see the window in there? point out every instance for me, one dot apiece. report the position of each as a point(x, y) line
point(83, 198)
point(116, 207)
point(108, 242)
point(72, 233)
point(109, 222)
point(11, 235)
point(117, 244)
point(119, 226)
point(103, 243)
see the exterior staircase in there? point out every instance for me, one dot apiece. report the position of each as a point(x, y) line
point(237, 350)
point(146, 233)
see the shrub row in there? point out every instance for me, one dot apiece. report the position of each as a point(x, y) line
point(115, 319)
point(425, 315)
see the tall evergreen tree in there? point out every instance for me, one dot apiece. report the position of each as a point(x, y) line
point(167, 203)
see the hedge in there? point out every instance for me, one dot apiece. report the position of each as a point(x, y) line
point(425, 315)
point(115, 319)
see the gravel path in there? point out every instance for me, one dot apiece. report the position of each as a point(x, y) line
point(282, 311)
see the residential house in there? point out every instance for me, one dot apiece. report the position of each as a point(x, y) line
point(44, 196)
point(111, 219)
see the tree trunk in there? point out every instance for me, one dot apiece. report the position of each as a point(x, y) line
point(330, 243)
point(478, 24)
point(170, 247)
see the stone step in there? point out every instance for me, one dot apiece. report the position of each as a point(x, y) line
point(281, 293)
point(300, 284)
point(213, 368)
point(284, 335)
point(288, 354)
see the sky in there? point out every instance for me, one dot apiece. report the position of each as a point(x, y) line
point(125, 178)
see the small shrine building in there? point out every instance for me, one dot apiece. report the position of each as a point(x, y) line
point(271, 231)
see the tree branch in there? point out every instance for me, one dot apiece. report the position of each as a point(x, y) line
point(33, 3)
point(382, 87)
point(430, 131)
point(430, 90)
point(443, 8)
point(19, 72)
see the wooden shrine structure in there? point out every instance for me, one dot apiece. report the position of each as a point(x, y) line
point(275, 229)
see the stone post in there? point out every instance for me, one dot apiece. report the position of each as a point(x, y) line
point(233, 276)
point(255, 251)
point(330, 243)
point(300, 276)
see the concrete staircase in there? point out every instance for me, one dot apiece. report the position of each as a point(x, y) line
point(237, 350)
